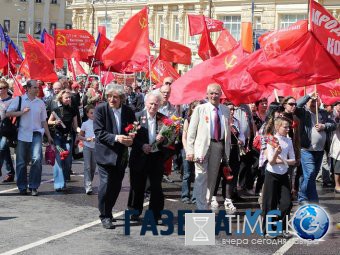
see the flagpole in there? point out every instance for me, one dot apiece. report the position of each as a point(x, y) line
point(88, 73)
point(150, 87)
point(276, 96)
point(316, 105)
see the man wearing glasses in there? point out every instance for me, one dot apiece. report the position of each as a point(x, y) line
point(32, 127)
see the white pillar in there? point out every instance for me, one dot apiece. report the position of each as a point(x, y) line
point(30, 16)
point(46, 18)
point(61, 17)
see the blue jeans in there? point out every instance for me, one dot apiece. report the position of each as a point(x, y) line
point(29, 151)
point(62, 168)
point(188, 176)
point(5, 156)
point(311, 163)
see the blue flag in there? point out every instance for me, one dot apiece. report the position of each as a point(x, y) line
point(2, 34)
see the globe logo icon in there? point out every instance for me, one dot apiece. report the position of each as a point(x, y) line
point(311, 222)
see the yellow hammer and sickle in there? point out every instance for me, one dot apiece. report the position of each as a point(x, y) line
point(61, 40)
point(231, 63)
point(143, 22)
point(34, 58)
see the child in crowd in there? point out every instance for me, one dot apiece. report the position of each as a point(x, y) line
point(276, 189)
point(87, 135)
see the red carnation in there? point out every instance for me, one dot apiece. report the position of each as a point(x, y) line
point(167, 122)
point(129, 128)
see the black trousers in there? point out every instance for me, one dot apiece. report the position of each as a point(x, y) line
point(153, 170)
point(110, 183)
point(248, 169)
point(276, 194)
point(229, 188)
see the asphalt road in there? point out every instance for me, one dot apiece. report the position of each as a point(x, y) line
point(67, 223)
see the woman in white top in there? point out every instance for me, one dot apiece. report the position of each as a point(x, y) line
point(276, 189)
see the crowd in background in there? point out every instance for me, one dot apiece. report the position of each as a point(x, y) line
point(274, 150)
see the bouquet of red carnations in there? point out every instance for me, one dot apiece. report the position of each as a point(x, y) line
point(132, 129)
point(63, 153)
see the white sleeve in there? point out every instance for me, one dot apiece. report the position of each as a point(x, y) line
point(291, 154)
point(270, 152)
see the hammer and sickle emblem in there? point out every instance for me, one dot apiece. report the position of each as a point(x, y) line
point(231, 63)
point(143, 22)
point(34, 58)
point(61, 40)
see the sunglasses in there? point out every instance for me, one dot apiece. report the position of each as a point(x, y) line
point(292, 104)
point(3, 87)
point(168, 83)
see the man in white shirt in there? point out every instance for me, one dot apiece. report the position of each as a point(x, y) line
point(32, 127)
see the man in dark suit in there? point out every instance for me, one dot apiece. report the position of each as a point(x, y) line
point(146, 161)
point(109, 125)
point(134, 100)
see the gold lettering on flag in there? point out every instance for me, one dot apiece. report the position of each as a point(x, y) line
point(61, 40)
point(231, 63)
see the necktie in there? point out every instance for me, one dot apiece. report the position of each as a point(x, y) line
point(217, 125)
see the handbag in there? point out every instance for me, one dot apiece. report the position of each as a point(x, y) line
point(50, 155)
point(9, 127)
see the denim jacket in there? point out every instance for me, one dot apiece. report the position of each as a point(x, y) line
point(306, 122)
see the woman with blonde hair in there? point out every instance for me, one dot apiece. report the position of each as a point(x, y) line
point(64, 119)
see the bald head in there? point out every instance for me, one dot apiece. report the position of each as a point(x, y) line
point(168, 81)
point(57, 87)
point(165, 91)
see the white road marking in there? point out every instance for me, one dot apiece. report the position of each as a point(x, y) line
point(9, 190)
point(284, 248)
point(58, 236)
point(172, 200)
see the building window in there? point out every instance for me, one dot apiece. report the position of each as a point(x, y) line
point(288, 19)
point(257, 22)
point(161, 27)
point(68, 26)
point(54, 1)
point(38, 1)
point(107, 24)
point(233, 24)
point(53, 26)
point(120, 24)
point(176, 29)
point(22, 27)
point(22, 0)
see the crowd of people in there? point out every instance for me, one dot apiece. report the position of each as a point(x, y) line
point(274, 150)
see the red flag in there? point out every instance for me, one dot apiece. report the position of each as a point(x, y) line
point(103, 43)
point(161, 69)
point(329, 92)
point(326, 29)
point(49, 46)
point(24, 68)
point(238, 85)
point(18, 90)
point(247, 36)
point(75, 67)
point(274, 43)
point(39, 67)
point(197, 23)
point(73, 43)
point(225, 42)
point(14, 58)
point(3, 60)
point(131, 44)
point(174, 52)
point(193, 84)
point(206, 48)
point(40, 46)
point(106, 77)
point(306, 62)
point(102, 30)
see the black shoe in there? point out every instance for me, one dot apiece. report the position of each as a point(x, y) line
point(23, 192)
point(135, 218)
point(107, 223)
point(237, 198)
